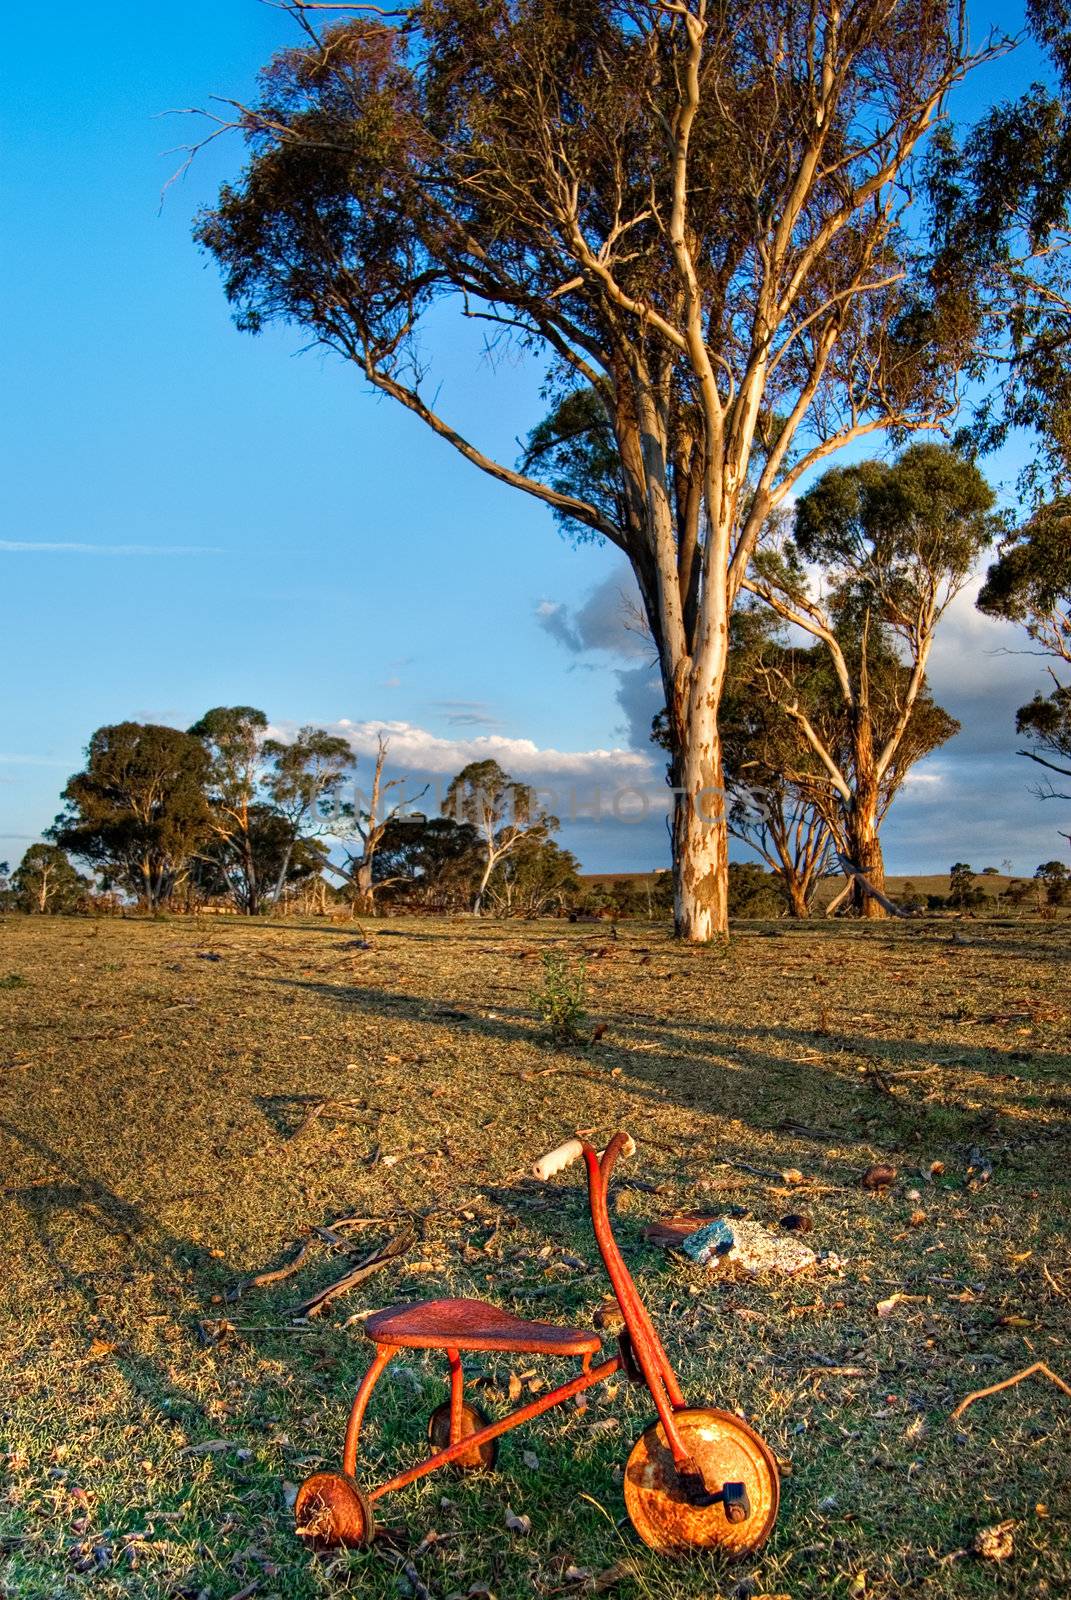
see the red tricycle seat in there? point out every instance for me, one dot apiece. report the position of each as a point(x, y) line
point(474, 1325)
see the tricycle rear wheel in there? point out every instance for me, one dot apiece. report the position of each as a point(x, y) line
point(481, 1458)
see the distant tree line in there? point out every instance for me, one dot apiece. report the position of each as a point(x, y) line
point(224, 814)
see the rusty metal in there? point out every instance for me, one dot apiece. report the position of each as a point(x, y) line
point(630, 1366)
point(672, 1518)
point(695, 1480)
point(383, 1358)
point(554, 1397)
point(470, 1420)
point(474, 1325)
point(330, 1510)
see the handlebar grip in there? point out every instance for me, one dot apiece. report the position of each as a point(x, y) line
point(555, 1160)
point(565, 1154)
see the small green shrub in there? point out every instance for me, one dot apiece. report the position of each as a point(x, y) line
point(14, 980)
point(561, 1000)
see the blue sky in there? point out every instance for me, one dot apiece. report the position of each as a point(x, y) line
point(264, 531)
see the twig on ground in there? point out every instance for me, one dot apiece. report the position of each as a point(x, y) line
point(310, 1117)
point(1006, 1383)
point(250, 1588)
point(364, 1269)
point(755, 1172)
point(405, 1566)
point(873, 1074)
point(260, 1280)
point(356, 1222)
point(1052, 1283)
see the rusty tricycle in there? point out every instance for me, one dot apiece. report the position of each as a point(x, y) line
point(697, 1478)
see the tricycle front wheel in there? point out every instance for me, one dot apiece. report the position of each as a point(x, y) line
point(726, 1451)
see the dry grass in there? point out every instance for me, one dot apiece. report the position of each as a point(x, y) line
point(992, 886)
point(158, 1147)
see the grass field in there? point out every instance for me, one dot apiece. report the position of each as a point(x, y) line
point(159, 1086)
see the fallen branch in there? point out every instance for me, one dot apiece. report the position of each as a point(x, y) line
point(873, 1074)
point(850, 870)
point(357, 1222)
point(275, 1274)
point(364, 1269)
point(310, 1117)
point(755, 1172)
point(1006, 1383)
point(331, 1108)
point(404, 1564)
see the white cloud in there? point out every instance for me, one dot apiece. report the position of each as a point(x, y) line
point(610, 619)
point(978, 656)
point(416, 749)
point(37, 547)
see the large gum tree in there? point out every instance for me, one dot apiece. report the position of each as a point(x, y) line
point(700, 211)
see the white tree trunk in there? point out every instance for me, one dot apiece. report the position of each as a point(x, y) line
point(700, 831)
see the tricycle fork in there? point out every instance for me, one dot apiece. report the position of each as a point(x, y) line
point(383, 1356)
point(647, 1347)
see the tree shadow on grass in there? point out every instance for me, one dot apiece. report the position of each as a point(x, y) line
point(53, 1211)
point(853, 1076)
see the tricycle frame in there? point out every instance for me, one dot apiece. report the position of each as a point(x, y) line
point(668, 1461)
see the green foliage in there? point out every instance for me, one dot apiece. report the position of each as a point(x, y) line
point(502, 811)
point(235, 740)
point(1030, 582)
point(267, 800)
point(330, 224)
point(45, 882)
point(303, 788)
point(964, 893)
point(1000, 204)
point(574, 450)
point(561, 1002)
point(488, 799)
point(13, 980)
point(534, 877)
point(138, 811)
point(1046, 721)
point(887, 534)
point(277, 857)
point(307, 773)
point(697, 219)
point(432, 863)
point(752, 891)
point(771, 761)
point(1055, 880)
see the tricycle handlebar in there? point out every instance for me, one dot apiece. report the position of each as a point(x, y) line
point(556, 1160)
point(565, 1154)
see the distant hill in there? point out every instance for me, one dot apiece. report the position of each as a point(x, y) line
point(923, 883)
